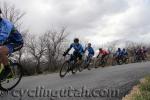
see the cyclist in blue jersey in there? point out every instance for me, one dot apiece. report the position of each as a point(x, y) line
point(118, 53)
point(90, 55)
point(78, 50)
point(90, 51)
point(10, 41)
point(124, 52)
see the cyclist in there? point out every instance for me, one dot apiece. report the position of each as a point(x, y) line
point(118, 54)
point(125, 54)
point(90, 53)
point(139, 53)
point(10, 41)
point(78, 50)
point(134, 54)
point(103, 54)
point(144, 52)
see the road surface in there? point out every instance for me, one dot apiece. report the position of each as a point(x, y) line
point(110, 83)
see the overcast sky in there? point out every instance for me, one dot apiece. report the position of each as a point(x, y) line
point(97, 21)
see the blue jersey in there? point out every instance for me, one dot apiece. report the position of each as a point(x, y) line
point(8, 33)
point(118, 53)
point(125, 53)
point(77, 48)
point(90, 50)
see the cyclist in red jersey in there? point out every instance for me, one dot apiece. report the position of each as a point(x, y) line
point(102, 52)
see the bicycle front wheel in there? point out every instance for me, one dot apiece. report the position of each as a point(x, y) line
point(13, 78)
point(97, 63)
point(64, 69)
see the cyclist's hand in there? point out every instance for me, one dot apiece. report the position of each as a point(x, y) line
point(64, 54)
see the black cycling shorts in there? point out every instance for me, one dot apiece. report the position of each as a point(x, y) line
point(13, 47)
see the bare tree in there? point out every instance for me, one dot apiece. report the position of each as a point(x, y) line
point(36, 48)
point(12, 13)
point(21, 52)
point(54, 42)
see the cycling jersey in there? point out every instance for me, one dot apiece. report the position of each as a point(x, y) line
point(8, 33)
point(77, 48)
point(90, 50)
point(119, 53)
point(125, 53)
point(9, 36)
point(103, 52)
point(144, 50)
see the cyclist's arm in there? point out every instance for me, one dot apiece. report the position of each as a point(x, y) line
point(93, 51)
point(98, 55)
point(81, 48)
point(69, 49)
point(85, 49)
point(5, 32)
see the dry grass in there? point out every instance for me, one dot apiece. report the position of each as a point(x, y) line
point(141, 91)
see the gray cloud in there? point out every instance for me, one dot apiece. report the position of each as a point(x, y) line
point(97, 21)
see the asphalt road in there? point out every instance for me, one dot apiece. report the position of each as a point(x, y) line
point(110, 83)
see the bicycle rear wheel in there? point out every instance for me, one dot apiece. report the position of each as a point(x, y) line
point(13, 79)
point(64, 69)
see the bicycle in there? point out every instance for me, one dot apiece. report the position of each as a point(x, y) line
point(68, 66)
point(86, 63)
point(101, 62)
point(118, 60)
point(14, 76)
point(125, 59)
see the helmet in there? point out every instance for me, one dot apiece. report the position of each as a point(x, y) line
point(76, 40)
point(100, 48)
point(89, 44)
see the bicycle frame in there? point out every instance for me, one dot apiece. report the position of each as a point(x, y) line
point(1, 67)
point(11, 60)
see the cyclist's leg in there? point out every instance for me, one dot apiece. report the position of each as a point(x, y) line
point(106, 57)
point(89, 60)
point(71, 58)
point(75, 56)
point(4, 51)
point(90, 57)
point(102, 58)
point(79, 56)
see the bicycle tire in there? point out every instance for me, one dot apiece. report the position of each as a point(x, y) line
point(97, 63)
point(19, 67)
point(66, 70)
